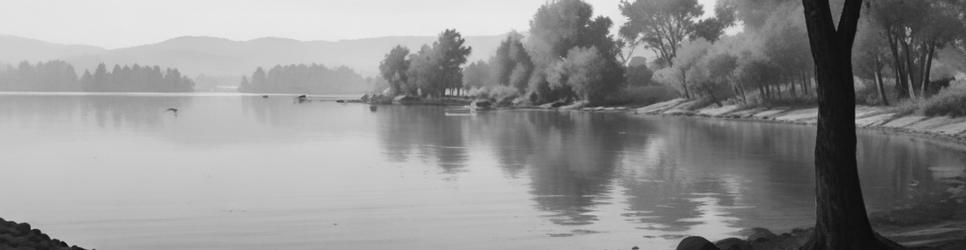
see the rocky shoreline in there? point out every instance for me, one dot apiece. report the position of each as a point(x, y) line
point(20, 236)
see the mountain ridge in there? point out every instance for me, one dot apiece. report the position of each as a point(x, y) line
point(230, 59)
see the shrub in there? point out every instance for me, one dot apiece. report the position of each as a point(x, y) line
point(642, 95)
point(905, 107)
point(503, 95)
point(949, 102)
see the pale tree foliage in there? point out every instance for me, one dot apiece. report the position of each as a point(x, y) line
point(511, 65)
point(678, 75)
point(394, 67)
point(557, 28)
point(584, 71)
point(663, 25)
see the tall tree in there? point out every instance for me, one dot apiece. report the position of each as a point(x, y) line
point(477, 75)
point(512, 64)
point(452, 51)
point(841, 221)
point(558, 27)
point(438, 68)
point(662, 25)
point(393, 68)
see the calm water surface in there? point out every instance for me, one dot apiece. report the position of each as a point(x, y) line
point(242, 172)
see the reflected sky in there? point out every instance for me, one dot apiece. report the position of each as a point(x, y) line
point(246, 172)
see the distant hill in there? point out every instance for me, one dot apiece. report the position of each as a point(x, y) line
point(15, 49)
point(228, 59)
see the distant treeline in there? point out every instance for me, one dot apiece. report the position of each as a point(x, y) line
point(304, 79)
point(61, 76)
point(135, 79)
point(48, 76)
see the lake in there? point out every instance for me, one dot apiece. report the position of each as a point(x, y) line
point(244, 172)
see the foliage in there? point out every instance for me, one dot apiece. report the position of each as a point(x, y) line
point(914, 31)
point(642, 95)
point(586, 72)
point(688, 57)
point(557, 28)
point(305, 79)
point(951, 102)
point(503, 95)
point(664, 25)
point(638, 74)
point(135, 79)
point(512, 65)
point(394, 67)
point(49, 76)
point(438, 68)
point(477, 75)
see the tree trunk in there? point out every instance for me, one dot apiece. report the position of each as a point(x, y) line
point(901, 82)
point(841, 222)
point(927, 69)
point(877, 61)
point(684, 85)
point(910, 70)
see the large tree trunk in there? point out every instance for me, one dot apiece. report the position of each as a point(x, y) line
point(841, 222)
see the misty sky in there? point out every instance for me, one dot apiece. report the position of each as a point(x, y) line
point(124, 23)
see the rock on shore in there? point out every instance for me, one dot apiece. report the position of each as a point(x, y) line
point(20, 236)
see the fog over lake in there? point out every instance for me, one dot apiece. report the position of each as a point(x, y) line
point(244, 172)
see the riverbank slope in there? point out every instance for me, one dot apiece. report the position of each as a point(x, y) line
point(867, 117)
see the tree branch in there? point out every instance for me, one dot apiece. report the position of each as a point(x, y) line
point(849, 22)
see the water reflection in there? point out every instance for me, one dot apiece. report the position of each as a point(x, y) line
point(509, 174)
point(425, 133)
point(110, 111)
point(677, 175)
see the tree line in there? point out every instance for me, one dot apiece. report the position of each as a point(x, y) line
point(431, 71)
point(61, 76)
point(43, 76)
point(568, 55)
point(135, 78)
point(304, 79)
point(769, 61)
point(901, 40)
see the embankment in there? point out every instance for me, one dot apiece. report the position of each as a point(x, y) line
point(948, 129)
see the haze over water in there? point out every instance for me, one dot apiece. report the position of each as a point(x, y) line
point(243, 172)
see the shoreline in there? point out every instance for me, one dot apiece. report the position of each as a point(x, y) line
point(948, 131)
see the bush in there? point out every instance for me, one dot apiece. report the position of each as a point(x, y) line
point(642, 95)
point(949, 102)
point(867, 94)
point(503, 95)
point(905, 107)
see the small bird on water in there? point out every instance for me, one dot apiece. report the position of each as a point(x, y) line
point(172, 110)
